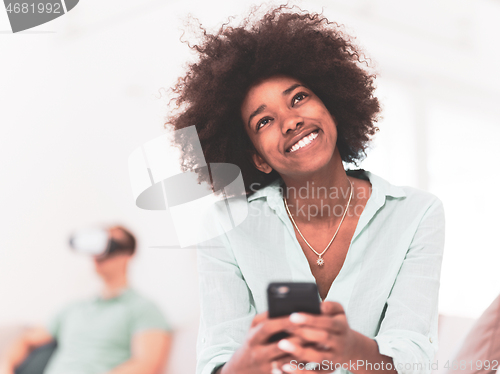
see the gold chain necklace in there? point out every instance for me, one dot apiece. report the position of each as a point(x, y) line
point(320, 261)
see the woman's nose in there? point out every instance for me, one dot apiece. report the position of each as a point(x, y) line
point(291, 123)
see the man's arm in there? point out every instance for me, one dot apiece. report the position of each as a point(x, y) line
point(149, 353)
point(21, 348)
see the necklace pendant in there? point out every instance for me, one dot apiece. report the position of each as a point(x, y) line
point(320, 261)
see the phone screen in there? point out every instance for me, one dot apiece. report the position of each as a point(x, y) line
point(285, 298)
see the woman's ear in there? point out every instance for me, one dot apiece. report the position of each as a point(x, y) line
point(261, 164)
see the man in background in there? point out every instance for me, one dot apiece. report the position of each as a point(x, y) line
point(117, 332)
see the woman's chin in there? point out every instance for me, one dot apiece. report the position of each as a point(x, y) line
point(306, 172)
point(318, 164)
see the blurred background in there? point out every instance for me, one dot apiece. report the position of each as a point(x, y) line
point(80, 93)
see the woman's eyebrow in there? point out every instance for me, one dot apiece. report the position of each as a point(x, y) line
point(256, 112)
point(291, 88)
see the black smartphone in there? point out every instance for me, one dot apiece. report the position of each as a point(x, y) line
point(285, 298)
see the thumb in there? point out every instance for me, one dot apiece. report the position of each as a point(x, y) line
point(331, 308)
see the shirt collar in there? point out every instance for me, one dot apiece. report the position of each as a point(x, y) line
point(273, 193)
point(383, 187)
point(380, 189)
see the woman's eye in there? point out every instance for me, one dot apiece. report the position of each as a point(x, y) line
point(299, 97)
point(263, 122)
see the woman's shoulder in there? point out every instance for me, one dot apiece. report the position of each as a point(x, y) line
point(401, 204)
point(404, 208)
point(403, 194)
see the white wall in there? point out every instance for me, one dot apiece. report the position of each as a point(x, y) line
point(80, 93)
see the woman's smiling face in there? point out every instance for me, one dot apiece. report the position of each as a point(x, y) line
point(289, 126)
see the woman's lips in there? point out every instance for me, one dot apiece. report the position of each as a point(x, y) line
point(305, 142)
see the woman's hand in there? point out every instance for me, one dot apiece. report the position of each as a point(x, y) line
point(256, 355)
point(5, 368)
point(324, 338)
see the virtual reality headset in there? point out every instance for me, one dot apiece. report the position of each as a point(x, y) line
point(96, 242)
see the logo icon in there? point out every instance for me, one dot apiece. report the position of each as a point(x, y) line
point(26, 14)
point(198, 212)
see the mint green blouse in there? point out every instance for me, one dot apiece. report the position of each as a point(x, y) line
point(388, 284)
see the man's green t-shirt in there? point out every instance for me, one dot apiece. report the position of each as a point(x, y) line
point(95, 336)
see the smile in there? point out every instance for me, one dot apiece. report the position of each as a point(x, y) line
point(305, 141)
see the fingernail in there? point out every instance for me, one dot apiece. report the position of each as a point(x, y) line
point(286, 346)
point(297, 318)
point(287, 368)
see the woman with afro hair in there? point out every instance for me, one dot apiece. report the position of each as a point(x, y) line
point(286, 98)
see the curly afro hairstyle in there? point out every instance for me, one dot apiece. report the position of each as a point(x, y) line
point(294, 43)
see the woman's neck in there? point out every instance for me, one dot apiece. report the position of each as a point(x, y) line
point(320, 196)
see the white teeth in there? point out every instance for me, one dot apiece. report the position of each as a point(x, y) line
point(304, 141)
